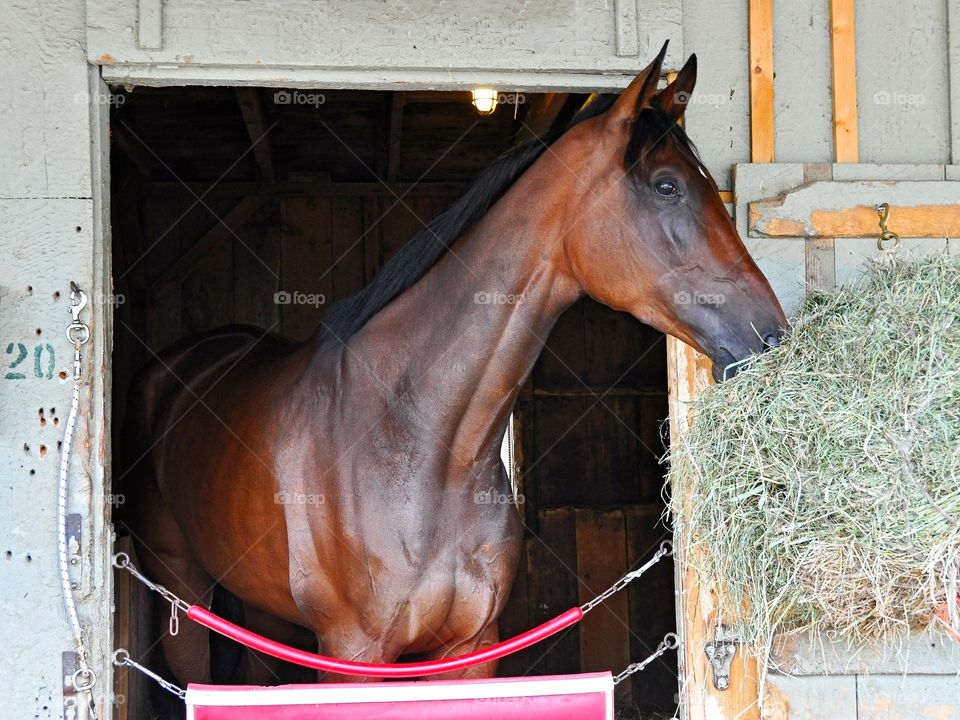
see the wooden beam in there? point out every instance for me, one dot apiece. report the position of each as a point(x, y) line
point(394, 136)
point(252, 110)
point(688, 375)
point(223, 230)
point(761, 81)
point(843, 63)
point(847, 209)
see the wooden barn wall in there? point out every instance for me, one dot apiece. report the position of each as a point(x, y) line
point(53, 182)
point(907, 124)
point(53, 187)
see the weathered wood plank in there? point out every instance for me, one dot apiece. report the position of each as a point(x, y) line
point(848, 209)
point(305, 260)
point(790, 698)
point(163, 317)
point(689, 374)
point(223, 230)
point(896, 697)
point(953, 54)
point(251, 109)
point(761, 81)
point(601, 561)
point(652, 608)
point(843, 70)
point(347, 247)
point(553, 588)
point(206, 293)
point(257, 270)
point(501, 36)
point(514, 620)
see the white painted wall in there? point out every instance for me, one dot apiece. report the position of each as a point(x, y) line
point(50, 234)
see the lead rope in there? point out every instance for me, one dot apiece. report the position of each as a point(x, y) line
point(78, 333)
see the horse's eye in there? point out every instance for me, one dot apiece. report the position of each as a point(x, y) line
point(667, 188)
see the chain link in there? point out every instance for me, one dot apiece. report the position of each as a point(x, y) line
point(121, 658)
point(666, 549)
point(669, 642)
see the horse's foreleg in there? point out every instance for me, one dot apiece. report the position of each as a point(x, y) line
point(488, 636)
point(165, 556)
point(356, 646)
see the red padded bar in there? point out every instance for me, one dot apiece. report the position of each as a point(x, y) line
point(382, 670)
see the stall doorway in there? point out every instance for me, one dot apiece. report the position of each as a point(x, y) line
point(226, 199)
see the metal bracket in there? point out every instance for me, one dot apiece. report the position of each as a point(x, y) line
point(74, 553)
point(69, 667)
point(720, 652)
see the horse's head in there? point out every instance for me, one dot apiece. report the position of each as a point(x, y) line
point(653, 237)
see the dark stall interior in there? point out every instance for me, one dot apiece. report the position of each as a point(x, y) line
point(224, 197)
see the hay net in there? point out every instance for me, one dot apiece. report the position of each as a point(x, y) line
point(825, 477)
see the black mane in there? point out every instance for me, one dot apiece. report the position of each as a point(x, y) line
point(421, 252)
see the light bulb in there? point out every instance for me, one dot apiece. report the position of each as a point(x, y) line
point(485, 100)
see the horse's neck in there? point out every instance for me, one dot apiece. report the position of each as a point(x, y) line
point(458, 345)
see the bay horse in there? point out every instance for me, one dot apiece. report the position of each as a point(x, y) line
point(331, 485)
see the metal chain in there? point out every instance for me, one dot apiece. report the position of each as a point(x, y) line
point(666, 549)
point(669, 642)
point(121, 561)
point(121, 658)
point(78, 333)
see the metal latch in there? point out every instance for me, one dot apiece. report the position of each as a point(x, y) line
point(720, 652)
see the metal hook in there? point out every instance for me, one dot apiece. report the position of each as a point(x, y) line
point(886, 235)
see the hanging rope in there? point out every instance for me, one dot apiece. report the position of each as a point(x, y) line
point(78, 333)
point(257, 642)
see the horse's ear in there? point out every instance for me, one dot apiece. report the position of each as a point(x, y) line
point(673, 99)
point(639, 92)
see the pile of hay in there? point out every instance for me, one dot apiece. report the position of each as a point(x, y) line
point(825, 477)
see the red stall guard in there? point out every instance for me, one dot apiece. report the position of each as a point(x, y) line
point(587, 696)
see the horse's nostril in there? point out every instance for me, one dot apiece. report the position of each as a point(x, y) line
point(772, 340)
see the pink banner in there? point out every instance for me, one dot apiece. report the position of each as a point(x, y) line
point(555, 697)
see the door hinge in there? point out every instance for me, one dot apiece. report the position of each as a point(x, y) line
point(720, 652)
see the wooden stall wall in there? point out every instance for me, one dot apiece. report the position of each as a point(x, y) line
point(828, 104)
